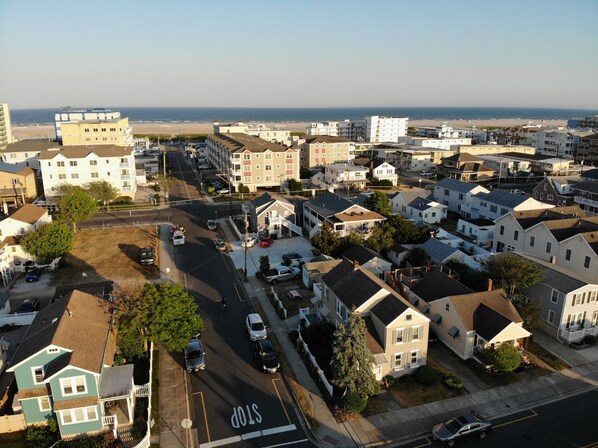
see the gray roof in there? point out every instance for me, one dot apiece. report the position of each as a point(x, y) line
point(31, 145)
point(438, 251)
point(360, 254)
point(410, 195)
point(388, 309)
point(590, 174)
point(352, 285)
point(262, 200)
point(456, 185)
point(116, 381)
point(557, 279)
point(590, 186)
point(504, 198)
point(421, 203)
point(328, 204)
point(488, 323)
point(436, 285)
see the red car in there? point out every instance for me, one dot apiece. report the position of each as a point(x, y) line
point(266, 241)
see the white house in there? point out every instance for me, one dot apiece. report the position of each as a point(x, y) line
point(344, 174)
point(415, 204)
point(385, 171)
point(368, 259)
point(25, 153)
point(496, 203)
point(480, 231)
point(456, 194)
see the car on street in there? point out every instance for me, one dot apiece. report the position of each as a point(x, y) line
point(459, 428)
point(267, 358)
point(29, 306)
point(33, 275)
point(292, 258)
point(223, 191)
point(266, 241)
point(220, 244)
point(195, 356)
point(428, 173)
point(212, 225)
point(255, 327)
point(146, 256)
point(249, 242)
point(178, 238)
point(517, 191)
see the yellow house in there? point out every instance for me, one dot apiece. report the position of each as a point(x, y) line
point(97, 132)
point(18, 188)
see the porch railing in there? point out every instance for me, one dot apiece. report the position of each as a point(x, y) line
point(108, 420)
point(142, 390)
point(576, 335)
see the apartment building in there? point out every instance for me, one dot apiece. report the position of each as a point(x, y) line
point(558, 143)
point(251, 161)
point(5, 125)
point(340, 175)
point(259, 130)
point(69, 114)
point(585, 194)
point(436, 143)
point(97, 132)
point(516, 135)
point(25, 153)
point(587, 150)
point(353, 130)
point(323, 128)
point(79, 165)
point(322, 150)
point(586, 122)
point(385, 129)
point(564, 236)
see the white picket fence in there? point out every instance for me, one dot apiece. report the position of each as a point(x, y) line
point(278, 302)
point(314, 363)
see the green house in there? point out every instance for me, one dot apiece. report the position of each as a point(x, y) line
point(63, 368)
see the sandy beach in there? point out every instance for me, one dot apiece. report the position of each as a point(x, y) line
point(172, 129)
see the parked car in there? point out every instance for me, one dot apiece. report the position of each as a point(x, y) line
point(292, 258)
point(223, 191)
point(281, 274)
point(266, 241)
point(212, 225)
point(249, 242)
point(517, 191)
point(29, 306)
point(146, 256)
point(459, 428)
point(178, 238)
point(266, 356)
point(428, 173)
point(220, 244)
point(33, 275)
point(195, 357)
point(255, 327)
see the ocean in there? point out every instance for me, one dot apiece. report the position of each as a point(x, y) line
point(286, 115)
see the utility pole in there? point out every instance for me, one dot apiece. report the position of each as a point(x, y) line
point(245, 243)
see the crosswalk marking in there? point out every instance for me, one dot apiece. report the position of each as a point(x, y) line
point(247, 436)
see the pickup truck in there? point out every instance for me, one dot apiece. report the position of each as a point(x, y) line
point(281, 273)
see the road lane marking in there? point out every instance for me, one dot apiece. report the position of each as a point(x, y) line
point(238, 293)
point(205, 414)
point(288, 443)
point(425, 444)
point(280, 398)
point(248, 435)
point(517, 419)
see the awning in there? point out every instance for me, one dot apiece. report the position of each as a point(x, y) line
point(380, 359)
point(454, 332)
point(426, 309)
point(437, 318)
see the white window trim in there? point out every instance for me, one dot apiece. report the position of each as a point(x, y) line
point(401, 364)
point(419, 329)
point(41, 408)
point(73, 421)
point(553, 314)
point(411, 364)
point(33, 369)
point(72, 381)
point(402, 331)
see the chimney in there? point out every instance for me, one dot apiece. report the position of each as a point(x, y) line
point(355, 265)
point(489, 284)
point(70, 312)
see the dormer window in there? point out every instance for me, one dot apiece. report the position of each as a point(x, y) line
point(38, 375)
point(73, 386)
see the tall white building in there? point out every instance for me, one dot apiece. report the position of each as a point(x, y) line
point(385, 129)
point(79, 165)
point(68, 115)
point(558, 143)
point(5, 130)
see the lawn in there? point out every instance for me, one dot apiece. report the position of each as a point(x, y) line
point(540, 352)
point(407, 392)
point(110, 254)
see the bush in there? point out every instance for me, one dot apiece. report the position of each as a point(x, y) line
point(122, 200)
point(426, 375)
point(504, 359)
point(589, 339)
point(139, 428)
point(389, 381)
point(354, 402)
point(39, 437)
point(453, 381)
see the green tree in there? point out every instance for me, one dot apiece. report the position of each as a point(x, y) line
point(162, 313)
point(378, 202)
point(102, 191)
point(381, 183)
point(294, 185)
point(381, 239)
point(504, 358)
point(304, 173)
point(475, 280)
point(49, 241)
point(264, 264)
point(528, 310)
point(326, 240)
point(405, 231)
point(76, 206)
point(512, 272)
point(352, 362)
point(417, 257)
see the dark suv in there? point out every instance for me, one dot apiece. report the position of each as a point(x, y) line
point(146, 256)
point(267, 358)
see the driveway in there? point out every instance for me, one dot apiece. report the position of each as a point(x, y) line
point(450, 362)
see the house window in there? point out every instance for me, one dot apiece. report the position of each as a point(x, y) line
point(568, 254)
point(493, 208)
point(61, 176)
point(339, 308)
point(93, 162)
point(59, 164)
point(414, 358)
point(576, 299)
point(554, 298)
point(399, 333)
point(73, 386)
point(586, 263)
point(502, 230)
point(460, 196)
point(398, 361)
point(94, 175)
point(549, 197)
point(79, 415)
point(44, 403)
point(73, 163)
point(38, 375)
point(415, 333)
point(532, 241)
point(548, 247)
point(447, 307)
point(246, 156)
point(408, 317)
point(516, 235)
point(74, 175)
point(551, 316)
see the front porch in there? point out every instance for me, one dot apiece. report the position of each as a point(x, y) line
point(576, 333)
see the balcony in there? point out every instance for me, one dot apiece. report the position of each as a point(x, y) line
point(125, 177)
point(575, 333)
point(586, 201)
point(124, 165)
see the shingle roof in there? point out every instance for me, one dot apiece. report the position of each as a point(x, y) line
point(351, 284)
point(436, 285)
point(63, 323)
point(328, 204)
point(590, 186)
point(389, 308)
point(29, 214)
point(326, 139)
point(236, 143)
point(81, 151)
point(465, 305)
point(503, 198)
point(590, 174)
point(557, 279)
point(566, 228)
point(438, 251)
point(360, 254)
point(262, 200)
point(462, 157)
point(410, 195)
point(372, 339)
point(424, 203)
point(31, 145)
point(480, 222)
point(488, 323)
point(529, 218)
point(456, 185)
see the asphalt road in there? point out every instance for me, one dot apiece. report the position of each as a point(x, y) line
point(572, 422)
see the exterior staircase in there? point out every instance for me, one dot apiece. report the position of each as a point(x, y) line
point(286, 223)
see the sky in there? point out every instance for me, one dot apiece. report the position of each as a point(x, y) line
point(282, 53)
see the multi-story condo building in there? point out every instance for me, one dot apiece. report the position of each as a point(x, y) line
point(79, 165)
point(322, 150)
point(587, 150)
point(497, 203)
point(5, 126)
point(437, 143)
point(25, 154)
point(97, 132)
point(345, 175)
point(585, 123)
point(558, 143)
point(323, 128)
point(445, 131)
point(385, 129)
point(251, 161)
point(68, 114)
point(480, 150)
point(259, 130)
point(516, 135)
point(353, 130)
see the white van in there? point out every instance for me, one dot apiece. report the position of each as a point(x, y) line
point(178, 238)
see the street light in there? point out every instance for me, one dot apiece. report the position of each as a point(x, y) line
point(420, 183)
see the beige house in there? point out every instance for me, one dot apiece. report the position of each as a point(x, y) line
point(97, 132)
point(397, 333)
point(251, 161)
point(322, 150)
point(465, 167)
point(17, 187)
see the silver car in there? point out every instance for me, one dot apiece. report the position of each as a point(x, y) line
point(459, 428)
point(195, 357)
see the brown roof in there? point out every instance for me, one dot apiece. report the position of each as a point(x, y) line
point(33, 393)
point(31, 145)
point(63, 323)
point(29, 213)
point(326, 139)
point(236, 142)
point(529, 218)
point(74, 403)
point(466, 305)
point(82, 151)
point(365, 216)
point(12, 240)
point(462, 157)
point(25, 171)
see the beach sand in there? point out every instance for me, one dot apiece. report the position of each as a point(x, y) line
point(172, 129)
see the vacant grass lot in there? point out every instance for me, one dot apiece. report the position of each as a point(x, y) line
point(110, 254)
point(407, 392)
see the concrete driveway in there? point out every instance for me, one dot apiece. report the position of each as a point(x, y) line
point(451, 362)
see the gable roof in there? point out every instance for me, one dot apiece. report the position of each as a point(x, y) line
point(466, 304)
point(529, 218)
point(360, 254)
point(328, 204)
point(389, 308)
point(409, 195)
point(351, 284)
point(456, 185)
point(438, 251)
point(82, 151)
point(436, 285)
point(325, 139)
point(502, 197)
point(566, 228)
point(238, 143)
point(488, 323)
point(32, 145)
point(63, 323)
point(29, 214)
point(462, 157)
point(262, 200)
point(425, 203)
